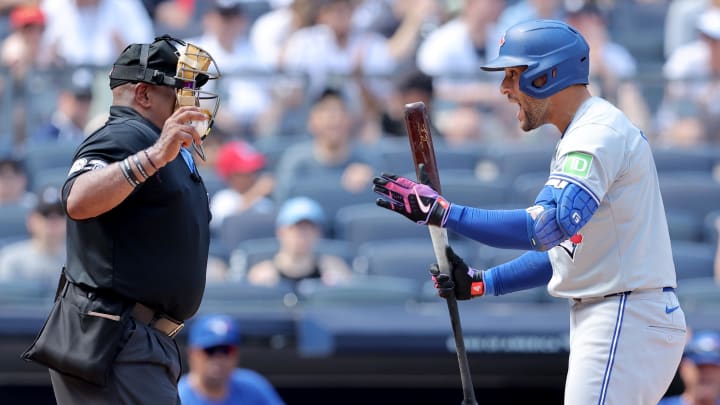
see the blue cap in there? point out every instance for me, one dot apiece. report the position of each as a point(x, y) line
point(298, 209)
point(214, 330)
point(704, 348)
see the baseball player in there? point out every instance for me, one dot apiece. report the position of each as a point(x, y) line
point(699, 371)
point(596, 233)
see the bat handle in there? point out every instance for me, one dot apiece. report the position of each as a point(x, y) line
point(440, 242)
point(439, 239)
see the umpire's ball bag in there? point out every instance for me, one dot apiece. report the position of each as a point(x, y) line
point(82, 335)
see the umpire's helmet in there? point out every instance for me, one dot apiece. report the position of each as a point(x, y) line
point(547, 47)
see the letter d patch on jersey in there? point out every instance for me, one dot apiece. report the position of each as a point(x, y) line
point(577, 164)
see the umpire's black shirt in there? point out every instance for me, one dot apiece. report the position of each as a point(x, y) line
point(151, 248)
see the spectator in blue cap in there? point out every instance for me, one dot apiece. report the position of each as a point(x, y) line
point(214, 378)
point(699, 371)
point(299, 229)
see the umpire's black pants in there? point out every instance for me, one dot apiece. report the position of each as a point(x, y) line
point(146, 371)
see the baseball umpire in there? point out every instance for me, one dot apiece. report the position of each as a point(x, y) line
point(138, 238)
point(596, 233)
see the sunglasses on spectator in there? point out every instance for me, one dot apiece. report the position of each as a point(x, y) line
point(221, 349)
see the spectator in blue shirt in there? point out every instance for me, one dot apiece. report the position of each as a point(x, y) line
point(213, 378)
point(699, 371)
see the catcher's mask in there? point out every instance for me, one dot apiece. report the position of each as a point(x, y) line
point(194, 68)
point(172, 62)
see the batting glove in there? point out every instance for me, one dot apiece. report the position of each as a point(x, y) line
point(468, 282)
point(418, 202)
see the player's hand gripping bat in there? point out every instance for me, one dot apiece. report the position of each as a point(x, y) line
point(418, 128)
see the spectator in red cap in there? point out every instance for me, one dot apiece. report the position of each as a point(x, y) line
point(21, 50)
point(26, 14)
point(240, 166)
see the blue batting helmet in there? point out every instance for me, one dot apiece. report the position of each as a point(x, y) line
point(548, 48)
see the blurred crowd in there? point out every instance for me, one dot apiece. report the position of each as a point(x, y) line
point(312, 94)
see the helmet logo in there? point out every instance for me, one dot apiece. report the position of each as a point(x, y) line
point(502, 40)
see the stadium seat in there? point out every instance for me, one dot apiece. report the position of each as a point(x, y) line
point(511, 161)
point(218, 296)
point(53, 177)
point(709, 228)
point(399, 159)
point(213, 182)
point(360, 223)
point(274, 146)
point(692, 259)
point(644, 41)
point(244, 226)
point(408, 258)
point(250, 252)
point(526, 187)
point(684, 225)
point(51, 155)
point(14, 222)
point(359, 290)
point(328, 191)
point(692, 160)
point(694, 194)
point(464, 188)
point(26, 293)
point(699, 293)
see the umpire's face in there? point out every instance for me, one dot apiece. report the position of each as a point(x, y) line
point(165, 101)
point(162, 102)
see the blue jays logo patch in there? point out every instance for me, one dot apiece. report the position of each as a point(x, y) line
point(570, 245)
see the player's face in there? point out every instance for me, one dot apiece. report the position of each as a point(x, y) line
point(214, 365)
point(533, 112)
point(703, 381)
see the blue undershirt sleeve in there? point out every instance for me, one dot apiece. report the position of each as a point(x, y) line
point(531, 269)
point(507, 229)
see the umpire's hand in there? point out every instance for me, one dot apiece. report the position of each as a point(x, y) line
point(177, 132)
point(468, 282)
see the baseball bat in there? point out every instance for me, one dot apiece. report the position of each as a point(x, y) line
point(426, 170)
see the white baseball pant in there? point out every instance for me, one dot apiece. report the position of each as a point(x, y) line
point(625, 348)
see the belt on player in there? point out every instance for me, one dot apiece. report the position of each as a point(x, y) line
point(664, 289)
point(156, 320)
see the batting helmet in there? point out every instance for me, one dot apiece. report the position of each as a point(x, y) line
point(548, 48)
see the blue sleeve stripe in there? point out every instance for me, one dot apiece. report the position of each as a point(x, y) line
point(577, 183)
point(506, 229)
point(532, 269)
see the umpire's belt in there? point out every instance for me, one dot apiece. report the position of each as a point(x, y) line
point(156, 320)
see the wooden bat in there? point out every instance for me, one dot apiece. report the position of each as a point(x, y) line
point(426, 170)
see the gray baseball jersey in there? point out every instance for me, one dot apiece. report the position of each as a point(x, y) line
point(626, 245)
point(624, 347)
